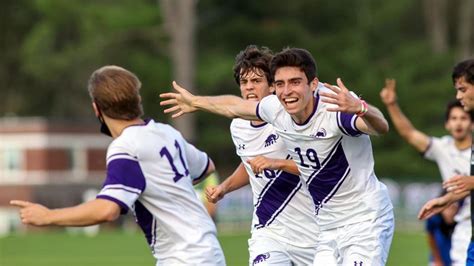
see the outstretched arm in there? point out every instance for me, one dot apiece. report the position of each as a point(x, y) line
point(182, 102)
point(372, 122)
point(89, 213)
point(437, 205)
point(261, 163)
point(404, 127)
point(238, 179)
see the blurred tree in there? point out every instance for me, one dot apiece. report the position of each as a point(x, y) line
point(179, 21)
point(435, 12)
point(50, 47)
point(465, 28)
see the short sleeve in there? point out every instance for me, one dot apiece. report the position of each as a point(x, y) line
point(267, 108)
point(197, 161)
point(125, 180)
point(347, 124)
point(434, 146)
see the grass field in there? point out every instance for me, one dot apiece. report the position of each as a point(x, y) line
point(129, 249)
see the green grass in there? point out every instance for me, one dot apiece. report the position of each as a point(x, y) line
point(115, 248)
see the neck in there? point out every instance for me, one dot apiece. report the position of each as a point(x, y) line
point(463, 144)
point(117, 126)
point(306, 112)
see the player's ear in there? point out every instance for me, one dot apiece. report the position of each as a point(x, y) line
point(446, 126)
point(271, 89)
point(314, 84)
point(96, 109)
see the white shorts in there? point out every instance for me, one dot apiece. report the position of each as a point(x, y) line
point(460, 242)
point(359, 244)
point(268, 251)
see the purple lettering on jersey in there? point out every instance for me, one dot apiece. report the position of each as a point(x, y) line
point(275, 197)
point(347, 125)
point(325, 182)
point(147, 223)
point(125, 172)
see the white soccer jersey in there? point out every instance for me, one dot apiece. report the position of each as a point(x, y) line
point(335, 160)
point(451, 161)
point(149, 170)
point(283, 208)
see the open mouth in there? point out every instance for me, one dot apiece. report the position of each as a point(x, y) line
point(252, 97)
point(289, 101)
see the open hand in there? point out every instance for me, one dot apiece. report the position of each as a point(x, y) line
point(32, 213)
point(459, 184)
point(342, 98)
point(181, 102)
point(432, 207)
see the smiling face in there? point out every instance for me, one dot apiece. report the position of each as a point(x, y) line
point(465, 93)
point(458, 124)
point(254, 85)
point(295, 93)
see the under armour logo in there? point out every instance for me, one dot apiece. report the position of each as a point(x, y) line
point(357, 263)
point(241, 147)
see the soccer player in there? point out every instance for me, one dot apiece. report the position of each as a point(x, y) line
point(452, 154)
point(325, 129)
point(150, 170)
point(284, 229)
point(458, 186)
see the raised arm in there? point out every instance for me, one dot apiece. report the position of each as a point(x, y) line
point(89, 213)
point(238, 179)
point(261, 163)
point(404, 127)
point(372, 121)
point(182, 102)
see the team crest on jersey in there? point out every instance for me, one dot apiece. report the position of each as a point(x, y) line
point(271, 140)
point(320, 134)
point(261, 258)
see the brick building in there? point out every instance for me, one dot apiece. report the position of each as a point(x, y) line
point(40, 158)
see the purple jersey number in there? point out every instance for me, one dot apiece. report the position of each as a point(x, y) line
point(312, 157)
point(177, 175)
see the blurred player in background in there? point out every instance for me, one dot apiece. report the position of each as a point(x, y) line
point(452, 154)
point(150, 170)
point(284, 229)
point(325, 129)
point(458, 186)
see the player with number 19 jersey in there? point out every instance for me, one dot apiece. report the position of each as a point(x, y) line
point(283, 209)
point(150, 170)
point(335, 160)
